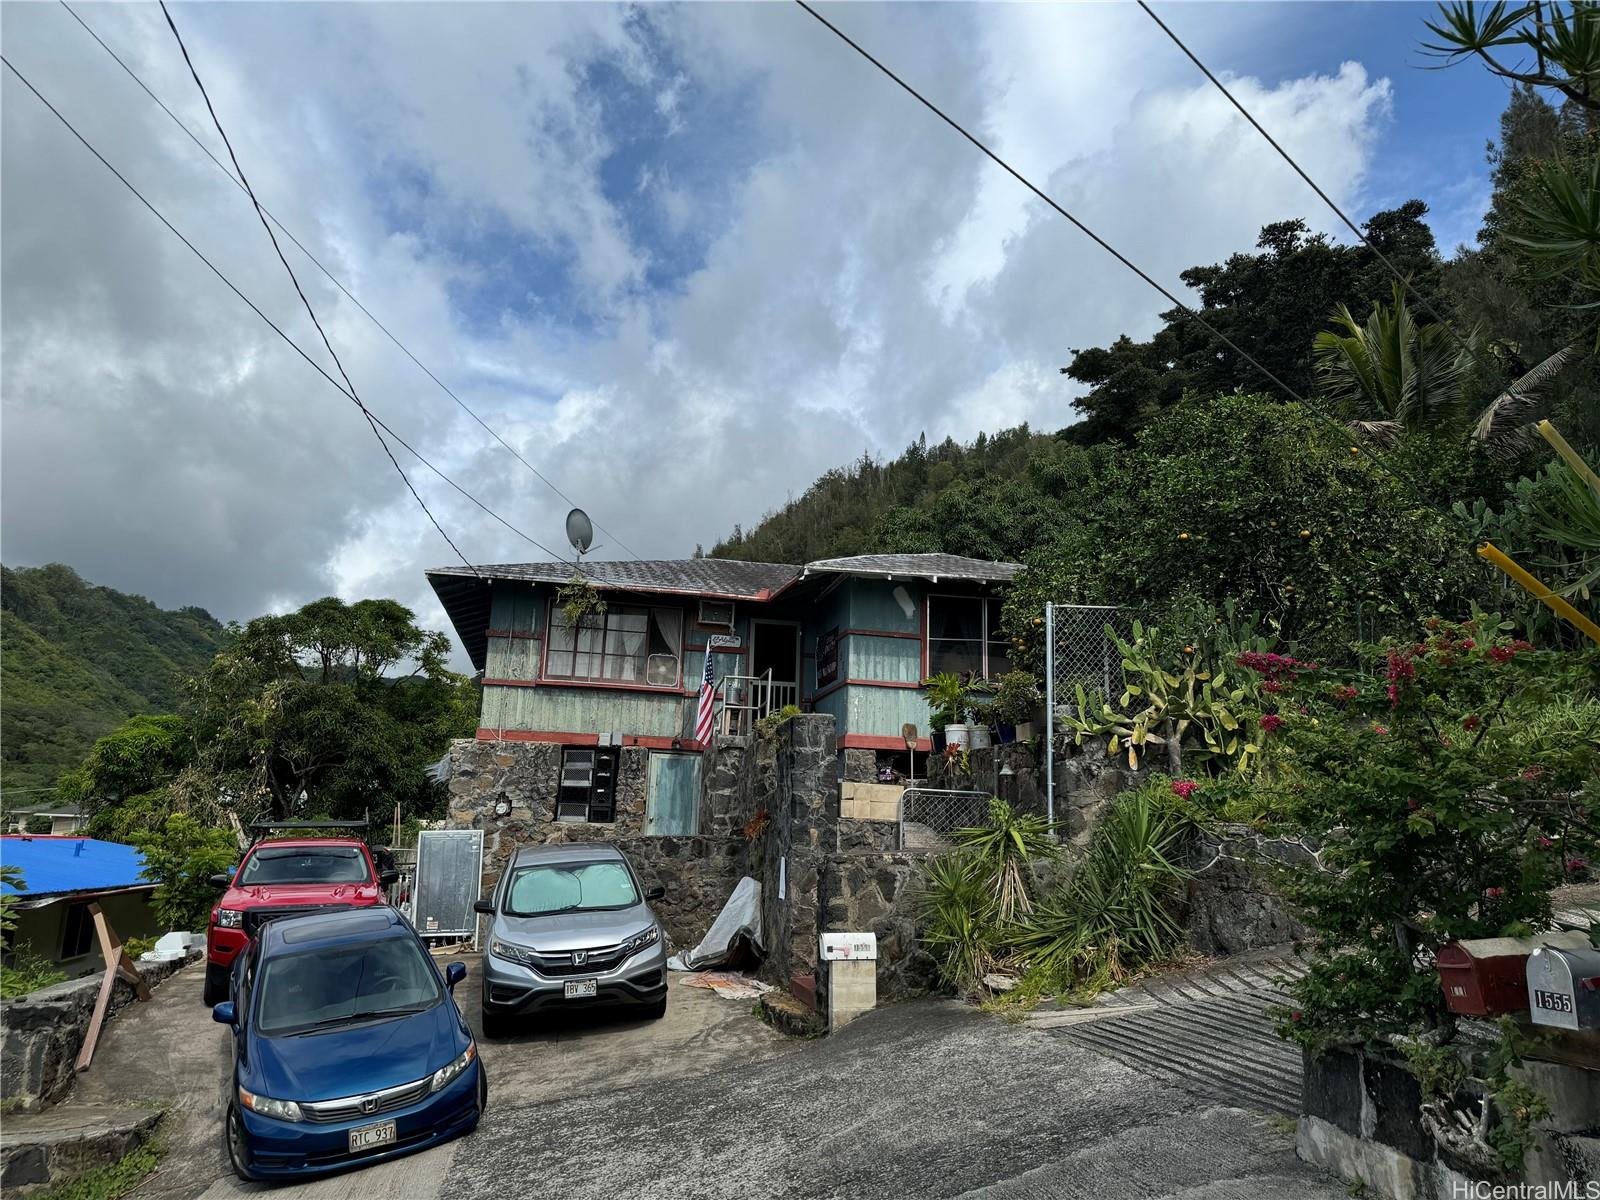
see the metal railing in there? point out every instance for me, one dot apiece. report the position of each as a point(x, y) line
point(742, 700)
point(928, 816)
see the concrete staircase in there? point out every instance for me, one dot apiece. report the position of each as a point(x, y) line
point(1205, 1029)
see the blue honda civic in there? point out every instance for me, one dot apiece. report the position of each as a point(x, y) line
point(348, 1047)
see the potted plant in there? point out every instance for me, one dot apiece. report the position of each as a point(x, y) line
point(1016, 701)
point(947, 704)
point(980, 720)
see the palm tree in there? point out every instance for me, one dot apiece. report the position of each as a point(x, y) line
point(1391, 374)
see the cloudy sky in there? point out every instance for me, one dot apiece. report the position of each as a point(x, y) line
point(684, 258)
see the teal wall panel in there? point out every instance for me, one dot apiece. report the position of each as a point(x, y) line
point(672, 804)
point(874, 605)
point(889, 660)
point(880, 712)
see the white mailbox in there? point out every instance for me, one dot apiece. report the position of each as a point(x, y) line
point(1564, 988)
point(836, 946)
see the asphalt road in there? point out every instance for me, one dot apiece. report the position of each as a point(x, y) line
point(921, 1099)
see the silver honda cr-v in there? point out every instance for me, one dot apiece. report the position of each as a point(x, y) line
point(571, 927)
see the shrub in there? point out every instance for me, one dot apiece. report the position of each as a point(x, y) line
point(180, 856)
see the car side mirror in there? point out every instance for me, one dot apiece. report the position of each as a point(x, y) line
point(486, 907)
point(222, 878)
point(655, 893)
point(223, 1014)
point(388, 878)
point(454, 974)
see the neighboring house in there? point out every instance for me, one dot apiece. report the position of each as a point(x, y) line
point(60, 822)
point(853, 637)
point(61, 876)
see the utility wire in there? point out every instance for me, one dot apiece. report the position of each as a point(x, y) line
point(1404, 279)
point(1192, 313)
point(349, 384)
point(271, 324)
point(332, 278)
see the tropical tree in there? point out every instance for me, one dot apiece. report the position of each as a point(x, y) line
point(122, 781)
point(316, 710)
point(1392, 374)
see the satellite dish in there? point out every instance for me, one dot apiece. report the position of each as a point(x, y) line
point(580, 530)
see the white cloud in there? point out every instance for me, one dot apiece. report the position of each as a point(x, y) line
point(865, 274)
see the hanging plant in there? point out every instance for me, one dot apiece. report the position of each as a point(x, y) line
point(579, 599)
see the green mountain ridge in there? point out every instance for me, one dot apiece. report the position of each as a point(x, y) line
point(76, 660)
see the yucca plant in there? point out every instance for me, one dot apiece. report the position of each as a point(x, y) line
point(1117, 912)
point(1000, 853)
point(958, 923)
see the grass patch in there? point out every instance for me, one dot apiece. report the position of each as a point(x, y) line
point(114, 1180)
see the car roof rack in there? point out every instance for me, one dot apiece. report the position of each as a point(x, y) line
point(260, 829)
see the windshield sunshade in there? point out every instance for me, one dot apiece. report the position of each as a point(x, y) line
point(343, 984)
point(570, 887)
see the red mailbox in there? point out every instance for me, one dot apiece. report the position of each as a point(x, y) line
point(1487, 977)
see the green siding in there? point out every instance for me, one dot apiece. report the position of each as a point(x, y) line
point(888, 660)
point(873, 605)
point(552, 709)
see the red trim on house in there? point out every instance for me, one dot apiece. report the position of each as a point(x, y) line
point(740, 652)
point(531, 635)
point(586, 739)
point(872, 683)
point(596, 684)
point(871, 741)
point(889, 633)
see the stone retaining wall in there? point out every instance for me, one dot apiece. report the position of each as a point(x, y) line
point(878, 892)
point(41, 1033)
point(1232, 906)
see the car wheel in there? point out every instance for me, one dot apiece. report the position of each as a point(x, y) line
point(496, 1025)
point(234, 1140)
point(216, 989)
point(657, 1010)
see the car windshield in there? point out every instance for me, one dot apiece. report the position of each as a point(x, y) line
point(304, 864)
point(318, 989)
point(570, 887)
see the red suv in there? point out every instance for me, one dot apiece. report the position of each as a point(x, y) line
point(286, 877)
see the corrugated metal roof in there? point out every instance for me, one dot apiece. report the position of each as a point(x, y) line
point(722, 577)
point(55, 865)
point(917, 566)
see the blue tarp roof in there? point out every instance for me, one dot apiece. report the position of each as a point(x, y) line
point(53, 865)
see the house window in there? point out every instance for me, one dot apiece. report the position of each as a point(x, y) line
point(624, 644)
point(588, 790)
point(964, 637)
point(77, 931)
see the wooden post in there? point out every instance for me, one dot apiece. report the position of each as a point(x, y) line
point(117, 964)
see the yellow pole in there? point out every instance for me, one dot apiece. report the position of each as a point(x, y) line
point(1539, 591)
point(1568, 455)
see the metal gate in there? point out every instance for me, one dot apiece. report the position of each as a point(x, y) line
point(928, 816)
point(449, 879)
point(1078, 651)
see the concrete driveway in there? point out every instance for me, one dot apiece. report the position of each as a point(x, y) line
point(922, 1099)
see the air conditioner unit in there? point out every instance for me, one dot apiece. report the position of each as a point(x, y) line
point(717, 612)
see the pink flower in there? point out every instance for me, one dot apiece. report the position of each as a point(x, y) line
point(1380, 730)
point(1184, 788)
point(1272, 685)
point(1468, 643)
point(1575, 865)
point(1272, 722)
point(1545, 843)
point(1494, 893)
point(1295, 1016)
point(1345, 693)
point(1532, 773)
point(1471, 723)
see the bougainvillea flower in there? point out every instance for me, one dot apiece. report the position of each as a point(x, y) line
point(1272, 722)
point(1184, 788)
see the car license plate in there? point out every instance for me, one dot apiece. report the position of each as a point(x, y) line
point(579, 989)
point(369, 1137)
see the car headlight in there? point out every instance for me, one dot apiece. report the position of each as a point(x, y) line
point(512, 952)
point(283, 1110)
point(640, 940)
point(230, 918)
point(446, 1073)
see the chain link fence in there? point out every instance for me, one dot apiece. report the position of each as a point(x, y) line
point(1079, 652)
point(928, 816)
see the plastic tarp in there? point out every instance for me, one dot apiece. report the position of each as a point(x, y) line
point(740, 918)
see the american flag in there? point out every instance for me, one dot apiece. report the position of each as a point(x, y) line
point(708, 696)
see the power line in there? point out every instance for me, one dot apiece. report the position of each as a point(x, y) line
point(270, 323)
point(332, 278)
point(350, 386)
point(1404, 280)
point(1192, 313)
